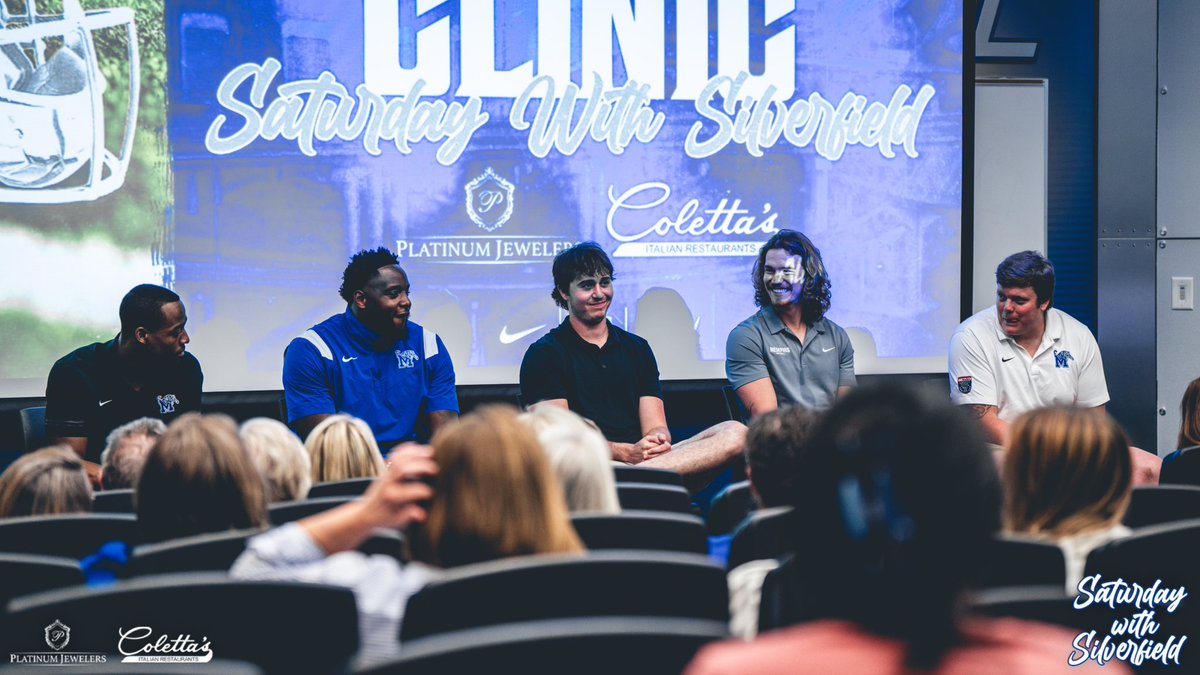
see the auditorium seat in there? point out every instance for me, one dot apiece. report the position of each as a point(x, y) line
point(286, 512)
point(33, 427)
point(607, 583)
point(1023, 561)
point(730, 507)
point(113, 501)
point(652, 530)
point(340, 488)
point(629, 645)
point(283, 627)
point(1046, 604)
point(210, 552)
point(1181, 467)
point(1158, 504)
point(735, 409)
point(1162, 552)
point(650, 497)
point(71, 536)
point(22, 574)
point(639, 474)
point(766, 533)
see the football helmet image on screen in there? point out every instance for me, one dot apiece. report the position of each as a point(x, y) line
point(52, 118)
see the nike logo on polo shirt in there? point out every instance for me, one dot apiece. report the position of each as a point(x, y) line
point(104, 403)
point(828, 350)
point(1004, 360)
point(507, 338)
point(348, 359)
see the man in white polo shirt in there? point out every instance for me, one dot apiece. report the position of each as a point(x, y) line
point(1023, 354)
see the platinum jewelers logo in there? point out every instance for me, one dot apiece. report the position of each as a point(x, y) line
point(57, 636)
point(1134, 638)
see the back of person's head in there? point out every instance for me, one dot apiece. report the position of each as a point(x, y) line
point(895, 508)
point(279, 456)
point(1066, 471)
point(775, 446)
point(495, 495)
point(142, 307)
point(199, 478)
point(1028, 269)
point(1189, 416)
point(47, 482)
point(342, 447)
point(579, 456)
point(584, 259)
point(125, 452)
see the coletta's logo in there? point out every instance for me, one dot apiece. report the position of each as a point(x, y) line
point(489, 200)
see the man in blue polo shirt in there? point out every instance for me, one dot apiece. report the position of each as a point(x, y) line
point(371, 361)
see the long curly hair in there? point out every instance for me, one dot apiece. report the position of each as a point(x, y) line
point(815, 295)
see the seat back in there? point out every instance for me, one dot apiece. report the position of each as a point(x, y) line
point(1022, 561)
point(730, 507)
point(22, 574)
point(286, 512)
point(113, 501)
point(631, 645)
point(340, 488)
point(1163, 553)
point(33, 427)
point(1159, 504)
point(71, 536)
point(647, 530)
point(1181, 467)
point(608, 583)
point(650, 497)
point(643, 474)
point(766, 533)
point(211, 552)
point(283, 627)
point(1045, 604)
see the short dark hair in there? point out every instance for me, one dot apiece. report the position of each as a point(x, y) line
point(363, 267)
point(142, 307)
point(584, 259)
point(815, 295)
point(775, 445)
point(901, 496)
point(1028, 269)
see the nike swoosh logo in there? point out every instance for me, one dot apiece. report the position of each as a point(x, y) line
point(104, 403)
point(348, 359)
point(508, 338)
point(1004, 360)
point(828, 350)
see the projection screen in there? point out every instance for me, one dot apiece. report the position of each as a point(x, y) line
point(259, 143)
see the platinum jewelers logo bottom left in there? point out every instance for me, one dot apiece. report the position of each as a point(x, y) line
point(57, 636)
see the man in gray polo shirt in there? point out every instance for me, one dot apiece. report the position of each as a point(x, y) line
point(788, 353)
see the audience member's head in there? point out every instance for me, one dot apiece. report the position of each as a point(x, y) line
point(495, 495)
point(125, 452)
point(47, 482)
point(1189, 416)
point(775, 444)
point(579, 456)
point(199, 478)
point(342, 447)
point(279, 456)
point(1066, 471)
point(900, 495)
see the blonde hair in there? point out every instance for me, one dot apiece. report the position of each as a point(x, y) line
point(495, 495)
point(579, 456)
point(199, 478)
point(342, 447)
point(279, 456)
point(1066, 471)
point(46, 482)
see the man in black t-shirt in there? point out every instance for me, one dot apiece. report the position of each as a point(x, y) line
point(144, 371)
point(610, 376)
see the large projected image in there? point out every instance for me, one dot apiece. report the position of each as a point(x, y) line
point(478, 138)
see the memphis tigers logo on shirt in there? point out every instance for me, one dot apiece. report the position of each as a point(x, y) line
point(1062, 359)
point(167, 403)
point(406, 358)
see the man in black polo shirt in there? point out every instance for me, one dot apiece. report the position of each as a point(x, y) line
point(610, 376)
point(143, 372)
